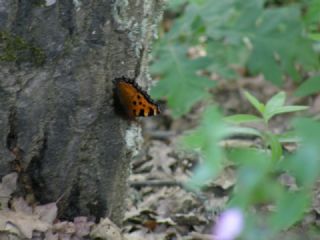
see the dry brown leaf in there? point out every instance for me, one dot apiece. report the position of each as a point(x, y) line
point(189, 219)
point(9, 183)
point(159, 152)
point(106, 230)
point(226, 179)
point(8, 236)
point(64, 236)
point(315, 106)
point(64, 227)
point(51, 236)
point(150, 224)
point(20, 205)
point(25, 223)
point(7, 187)
point(82, 226)
point(47, 212)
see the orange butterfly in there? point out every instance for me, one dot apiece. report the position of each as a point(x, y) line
point(131, 101)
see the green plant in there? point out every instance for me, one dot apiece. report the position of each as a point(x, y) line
point(257, 181)
point(259, 169)
point(275, 41)
point(273, 107)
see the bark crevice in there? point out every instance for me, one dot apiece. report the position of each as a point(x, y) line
point(12, 137)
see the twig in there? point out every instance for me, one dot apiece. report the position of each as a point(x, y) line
point(201, 236)
point(156, 183)
point(217, 190)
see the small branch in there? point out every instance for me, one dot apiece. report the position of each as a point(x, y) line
point(217, 190)
point(201, 236)
point(156, 183)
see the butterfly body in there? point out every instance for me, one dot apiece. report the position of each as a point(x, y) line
point(131, 101)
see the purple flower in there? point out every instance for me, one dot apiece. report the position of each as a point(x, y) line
point(229, 225)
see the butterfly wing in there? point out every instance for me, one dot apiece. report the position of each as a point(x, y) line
point(133, 100)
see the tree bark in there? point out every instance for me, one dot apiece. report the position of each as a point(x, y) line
point(57, 122)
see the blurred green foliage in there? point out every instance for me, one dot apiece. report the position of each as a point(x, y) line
point(259, 169)
point(263, 37)
point(275, 38)
point(206, 140)
point(182, 86)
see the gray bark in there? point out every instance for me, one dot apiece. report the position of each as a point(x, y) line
point(57, 120)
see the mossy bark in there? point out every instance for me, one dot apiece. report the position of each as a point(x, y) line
point(57, 121)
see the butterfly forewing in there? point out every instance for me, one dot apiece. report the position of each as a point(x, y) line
point(133, 100)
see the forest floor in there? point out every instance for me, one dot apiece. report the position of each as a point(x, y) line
point(159, 206)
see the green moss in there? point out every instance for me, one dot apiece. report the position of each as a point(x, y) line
point(38, 3)
point(16, 49)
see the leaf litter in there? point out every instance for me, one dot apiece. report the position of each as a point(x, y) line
point(159, 206)
point(19, 220)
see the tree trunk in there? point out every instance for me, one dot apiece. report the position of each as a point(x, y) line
point(57, 122)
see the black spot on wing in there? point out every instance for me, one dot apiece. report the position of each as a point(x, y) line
point(141, 113)
point(151, 112)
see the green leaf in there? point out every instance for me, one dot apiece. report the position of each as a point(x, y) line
point(314, 36)
point(201, 175)
point(289, 209)
point(310, 86)
point(276, 148)
point(288, 137)
point(242, 118)
point(246, 131)
point(223, 56)
point(312, 15)
point(275, 40)
point(305, 164)
point(205, 138)
point(285, 109)
point(270, 34)
point(175, 5)
point(208, 133)
point(275, 106)
point(255, 102)
point(254, 167)
point(179, 82)
point(276, 101)
point(262, 60)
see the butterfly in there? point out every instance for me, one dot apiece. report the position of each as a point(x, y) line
point(131, 101)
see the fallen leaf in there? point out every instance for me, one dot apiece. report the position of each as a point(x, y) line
point(82, 226)
point(20, 205)
point(7, 187)
point(47, 212)
point(106, 230)
point(64, 227)
point(25, 223)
